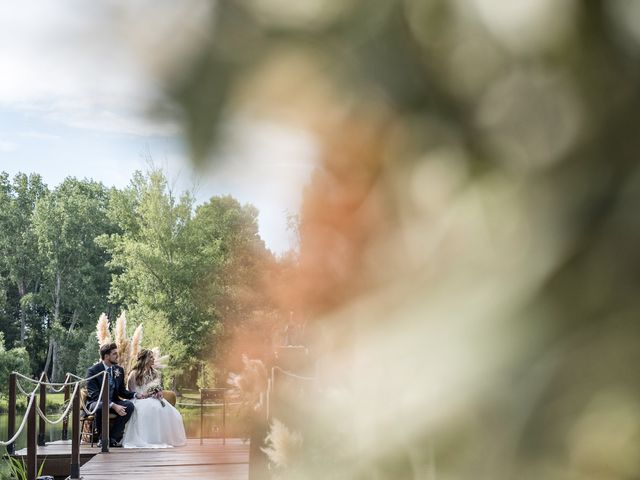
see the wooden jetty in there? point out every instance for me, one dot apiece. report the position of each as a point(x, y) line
point(212, 459)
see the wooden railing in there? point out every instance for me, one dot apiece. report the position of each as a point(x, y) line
point(35, 408)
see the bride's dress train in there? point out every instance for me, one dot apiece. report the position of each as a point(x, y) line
point(154, 426)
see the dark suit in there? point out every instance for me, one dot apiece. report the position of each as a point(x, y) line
point(117, 392)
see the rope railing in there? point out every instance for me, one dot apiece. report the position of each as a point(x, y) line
point(58, 390)
point(27, 394)
point(182, 404)
point(97, 404)
point(22, 424)
point(75, 384)
point(39, 382)
point(82, 403)
point(291, 374)
point(64, 414)
point(35, 409)
point(35, 389)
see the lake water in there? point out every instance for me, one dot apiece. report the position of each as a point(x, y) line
point(212, 425)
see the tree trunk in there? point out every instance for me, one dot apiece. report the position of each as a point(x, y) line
point(74, 320)
point(23, 315)
point(56, 321)
point(49, 354)
point(55, 368)
point(56, 298)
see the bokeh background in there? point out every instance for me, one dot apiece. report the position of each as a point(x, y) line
point(467, 270)
point(467, 243)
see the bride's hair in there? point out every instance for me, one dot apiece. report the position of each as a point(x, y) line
point(143, 370)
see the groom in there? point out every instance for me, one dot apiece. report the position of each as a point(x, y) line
point(117, 392)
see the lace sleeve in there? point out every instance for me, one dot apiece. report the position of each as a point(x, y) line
point(131, 383)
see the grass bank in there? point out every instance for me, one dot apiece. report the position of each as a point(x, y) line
point(54, 402)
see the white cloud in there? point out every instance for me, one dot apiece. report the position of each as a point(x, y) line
point(6, 146)
point(66, 61)
point(95, 66)
point(267, 164)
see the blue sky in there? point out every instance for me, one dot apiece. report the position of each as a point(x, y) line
point(75, 94)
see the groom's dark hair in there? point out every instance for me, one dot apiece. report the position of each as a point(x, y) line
point(106, 349)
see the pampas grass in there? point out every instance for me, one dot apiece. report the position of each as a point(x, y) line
point(136, 342)
point(251, 383)
point(102, 330)
point(283, 445)
point(128, 348)
point(159, 361)
point(122, 341)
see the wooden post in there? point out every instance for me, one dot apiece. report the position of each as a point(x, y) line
point(32, 453)
point(43, 408)
point(11, 424)
point(74, 467)
point(201, 427)
point(65, 422)
point(105, 414)
point(224, 415)
point(273, 400)
point(257, 459)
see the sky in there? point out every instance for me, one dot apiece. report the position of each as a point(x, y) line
point(75, 96)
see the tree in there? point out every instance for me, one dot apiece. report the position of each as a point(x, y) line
point(154, 261)
point(12, 360)
point(89, 354)
point(190, 278)
point(76, 281)
point(232, 286)
point(20, 257)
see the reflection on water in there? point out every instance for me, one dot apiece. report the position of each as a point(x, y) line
point(211, 425)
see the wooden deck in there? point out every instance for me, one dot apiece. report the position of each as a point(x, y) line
point(212, 460)
point(57, 456)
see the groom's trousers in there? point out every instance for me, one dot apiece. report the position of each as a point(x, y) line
point(117, 430)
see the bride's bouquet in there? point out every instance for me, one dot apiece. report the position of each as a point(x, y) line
point(154, 390)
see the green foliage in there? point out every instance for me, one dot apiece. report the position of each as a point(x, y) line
point(13, 360)
point(155, 261)
point(75, 279)
point(74, 271)
point(70, 350)
point(192, 276)
point(183, 274)
point(89, 354)
point(157, 333)
point(20, 262)
point(17, 469)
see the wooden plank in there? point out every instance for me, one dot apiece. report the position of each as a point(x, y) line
point(193, 461)
point(222, 472)
point(60, 447)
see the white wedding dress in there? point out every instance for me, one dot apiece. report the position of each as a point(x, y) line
point(152, 425)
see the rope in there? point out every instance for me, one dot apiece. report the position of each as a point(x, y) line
point(35, 389)
point(75, 384)
point(22, 424)
point(95, 408)
point(33, 392)
point(58, 390)
point(299, 377)
point(205, 404)
point(64, 414)
point(40, 382)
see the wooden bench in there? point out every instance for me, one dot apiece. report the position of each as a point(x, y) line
point(88, 433)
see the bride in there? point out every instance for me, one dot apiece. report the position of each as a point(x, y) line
point(155, 423)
